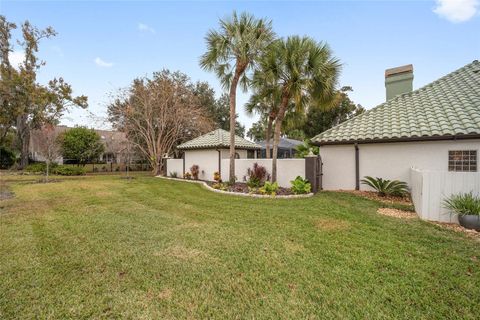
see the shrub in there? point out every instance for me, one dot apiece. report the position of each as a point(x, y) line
point(69, 171)
point(386, 187)
point(195, 169)
point(40, 167)
point(187, 175)
point(257, 175)
point(269, 188)
point(173, 174)
point(217, 177)
point(463, 204)
point(7, 157)
point(300, 185)
point(220, 186)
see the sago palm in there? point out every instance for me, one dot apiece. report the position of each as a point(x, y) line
point(231, 52)
point(304, 71)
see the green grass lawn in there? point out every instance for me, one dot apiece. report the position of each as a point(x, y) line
point(104, 247)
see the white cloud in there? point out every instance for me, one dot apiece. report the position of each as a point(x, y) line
point(145, 28)
point(16, 58)
point(101, 63)
point(457, 10)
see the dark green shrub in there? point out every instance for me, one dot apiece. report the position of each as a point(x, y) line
point(386, 187)
point(7, 157)
point(463, 204)
point(69, 171)
point(300, 186)
point(40, 167)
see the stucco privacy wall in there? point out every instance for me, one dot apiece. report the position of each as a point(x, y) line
point(175, 166)
point(338, 167)
point(431, 188)
point(386, 160)
point(288, 169)
point(207, 160)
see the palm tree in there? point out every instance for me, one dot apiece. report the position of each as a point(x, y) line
point(231, 52)
point(265, 103)
point(304, 71)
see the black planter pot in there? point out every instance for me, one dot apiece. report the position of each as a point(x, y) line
point(470, 222)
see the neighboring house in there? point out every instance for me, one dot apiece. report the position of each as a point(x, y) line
point(436, 127)
point(115, 146)
point(286, 148)
point(208, 150)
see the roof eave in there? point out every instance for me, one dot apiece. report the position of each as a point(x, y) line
point(218, 147)
point(406, 139)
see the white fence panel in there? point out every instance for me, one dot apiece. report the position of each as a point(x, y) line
point(431, 188)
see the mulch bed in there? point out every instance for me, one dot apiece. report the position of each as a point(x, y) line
point(458, 228)
point(243, 188)
point(5, 193)
point(386, 199)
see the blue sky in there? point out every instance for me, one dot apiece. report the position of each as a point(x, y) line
point(102, 46)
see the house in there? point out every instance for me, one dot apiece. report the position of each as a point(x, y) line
point(208, 150)
point(286, 148)
point(115, 143)
point(436, 127)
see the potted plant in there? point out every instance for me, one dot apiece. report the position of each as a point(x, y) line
point(467, 207)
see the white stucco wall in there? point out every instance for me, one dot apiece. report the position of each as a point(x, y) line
point(207, 160)
point(226, 153)
point(287, 169)
point(386, 160)
point(338, 167)
point(175, 166)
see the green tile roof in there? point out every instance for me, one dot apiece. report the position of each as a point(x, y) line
point(217, 139)
point(449, 106)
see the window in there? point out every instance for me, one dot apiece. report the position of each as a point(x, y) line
point(462, 160)
point(237, 155)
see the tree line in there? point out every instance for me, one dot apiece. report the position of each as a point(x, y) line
point(25, 104)
point(156, 114)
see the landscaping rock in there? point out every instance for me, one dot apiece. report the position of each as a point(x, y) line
point(397, 213)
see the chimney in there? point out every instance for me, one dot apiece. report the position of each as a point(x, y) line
point(398, 80)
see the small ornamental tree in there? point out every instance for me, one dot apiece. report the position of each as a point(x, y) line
point(48, 146)
point(81, 145)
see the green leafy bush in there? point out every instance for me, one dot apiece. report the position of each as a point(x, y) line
point(68, 171)
point(174, 174)
point(300, 186)
point(257, 175)
point(463, 204)
point(7, 157)
point(304, 149)
point(269, 188)
point(386, 187)
point(40, 167)
point(220, 186)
